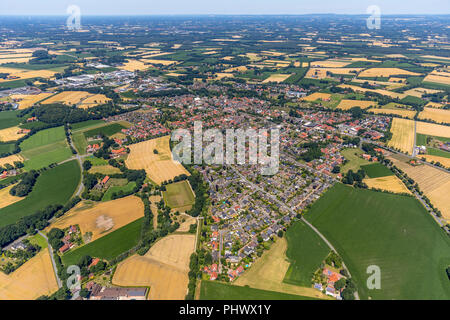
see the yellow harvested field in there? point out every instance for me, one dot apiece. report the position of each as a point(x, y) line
point(399, 112)
point(101, 218)
point(32, 280)
point(27, 101)
point(329, 64)
point(277, 78)
point(11, 134)
point(438, 115)
point(188, 220)
point(15, 60)
point(386, 72)
point(163, 62)
point(348, 104)
point(221, 75)
point(236, 69)
point(402, 135)
point(94, 100)
point(436, 57)
point(164, 268)
point(389, 183)
point(133, 65)
point(268, 272)
point(68, 97)
point(317, 96)
point(432, 129)
point(430, 158)
point(380, 91)
point(107, 169)
point(419, 92)
point(6, 199)
point(433, 182)
point(434, 105)
point(10, 159)
point(443, 78)
point(322, 73)
point(19, 74)
point(159, 167)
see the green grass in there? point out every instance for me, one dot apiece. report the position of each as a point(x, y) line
point(354, 161)
point(85, 124)
point(306, 251)
point(53, 186)
point(391, 231)
point(438, 152)
point(97, 161)
point(9, 119)
point(214, 290)
point(108, 130)
point(80, 142)
point(45, 147)
point(110, 246)
point(6, 147)
point(376, 170)
point(39, 240)
point(127, 188)
point(42, 138)
point(178, 194)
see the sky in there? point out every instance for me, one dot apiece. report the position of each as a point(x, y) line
point(188, 7)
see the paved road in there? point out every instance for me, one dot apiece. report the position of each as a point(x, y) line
point(255, 187)
point(50, 249)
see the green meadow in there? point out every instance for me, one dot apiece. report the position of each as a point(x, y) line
point(53, 186)
point(391, 231)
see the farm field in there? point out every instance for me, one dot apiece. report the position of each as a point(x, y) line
point(385, 72)
point(27, 101)
point(164, 268)
point(376, 170)
point(368, 227)
point(106, 169)
point(438, 115)
point(11, 134)
point(53, 186)
point(179, 195)
point(133, 65)
point(68, 97)
point(445, 161)
point(94, 100)
point(116, 189)
point(159, 167)
point(388, 93)
point(433, 182)
point(22, 74)
point(354, 160)
point(394, 109)
point(32, 280)
point(305, 252)
point(9, 119)
point(108, 130)
point(101, 218)
point(348, 104)
point(6, 199)
point(402, 135)
point(45, 147)
point(432, 129)
point(387, 183)
point(109, 246)
point(10, 159)
point(317, 96)
point(214, 290)
point(277, 78)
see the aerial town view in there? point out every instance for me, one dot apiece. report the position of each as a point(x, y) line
point(207, 153)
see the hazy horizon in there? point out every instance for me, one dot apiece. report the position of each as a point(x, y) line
point(231, 7)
